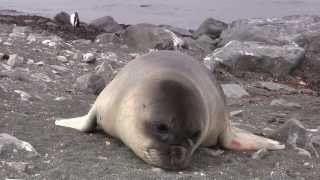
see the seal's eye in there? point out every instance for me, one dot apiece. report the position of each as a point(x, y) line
point(162, 128)
point(195, 135)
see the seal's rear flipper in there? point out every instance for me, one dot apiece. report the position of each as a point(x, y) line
point(238, 139)
point(84, 123)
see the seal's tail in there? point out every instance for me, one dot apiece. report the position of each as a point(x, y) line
point(84, 123)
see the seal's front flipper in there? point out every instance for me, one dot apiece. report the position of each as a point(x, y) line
point(84, 123)
point(241, 140)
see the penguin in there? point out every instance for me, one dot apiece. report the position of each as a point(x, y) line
point(74, 20)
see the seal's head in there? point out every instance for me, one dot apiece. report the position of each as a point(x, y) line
point(166, 121)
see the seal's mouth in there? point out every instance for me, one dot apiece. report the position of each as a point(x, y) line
point(174, 157)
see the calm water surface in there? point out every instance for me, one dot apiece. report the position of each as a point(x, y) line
point(182, 13)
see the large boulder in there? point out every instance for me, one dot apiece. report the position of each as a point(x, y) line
point(210, 27)
point(147, 36)
point(256, 57)
point(62, 18)
point(106, 24)
point(276, 31)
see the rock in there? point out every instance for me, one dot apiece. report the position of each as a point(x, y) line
point(15, 60)
point(41, 77)
point(62, 18)
point(206, 42)
point(275, 86)
point(90, 83)
point(236, 113)
point(20, 31)
point(275, 31)
point(89, 58)
point(82, 42)
point(5, 57)
point(178, 31)
point(157, 170)
point(260, 153)
point(51, 24)
point(24, 96)
point(7, 141)
point(212, 152)
point(148, 36)
point(17, 74)
point(256, 57)
point(303, 152)
point(107, 24)
point(234, 91)
point(49, 43)
point(292, 131)
point(19, 166)
point(210, 27)
point(62, 59)
point(178, 42)
point(105, 38)
point(60, 68)
point(283, 102)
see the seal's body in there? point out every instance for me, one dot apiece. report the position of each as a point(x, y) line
point(164, 105)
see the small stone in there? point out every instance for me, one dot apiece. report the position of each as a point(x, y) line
point(60, 68)
point(49, 43)
point(39, 63)
point(90, 83)
point(7, 43)
point(5, 57)
point(62, 59)
point(108, 143)
point(8, 140)
point(15, 60)
point(24, 96)
point(236, 113)
point(157, 170)
point(275, 86)
point(82, 42)
point(234, 91)
point(212, 152)
point(283, 102)
point(260, 153)
point(19, 166)
point(89, 58)
point(41, 77)
point(60, 98)
point(51, 24)
point(303, 152)
point(30, 61)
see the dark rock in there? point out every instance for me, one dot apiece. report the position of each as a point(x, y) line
point(148, 36)
point(107, 24)
point(276, 31)
point(210, 27)
point(62, 18)
point(256, 57)
point(108, 38)
point(90, 83)
point(5, 57)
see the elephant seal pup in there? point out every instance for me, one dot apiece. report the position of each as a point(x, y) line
point(163, 106)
